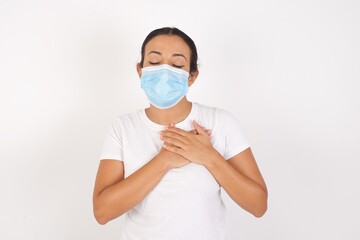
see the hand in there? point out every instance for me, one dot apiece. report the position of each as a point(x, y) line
point(173, 160)
point(176, 160)
point(194, 146)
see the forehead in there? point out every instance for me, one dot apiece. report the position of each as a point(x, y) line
point(168, 44)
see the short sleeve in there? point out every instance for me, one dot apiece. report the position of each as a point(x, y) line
point(112, 147)
point(234, 139)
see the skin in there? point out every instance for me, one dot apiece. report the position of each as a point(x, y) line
point(239, 176)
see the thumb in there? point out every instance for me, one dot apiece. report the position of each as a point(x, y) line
point(200, 129)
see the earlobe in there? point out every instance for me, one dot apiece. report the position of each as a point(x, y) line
point(138, 69)
point(192, 78)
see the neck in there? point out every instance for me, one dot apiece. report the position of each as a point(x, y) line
point(174, 114)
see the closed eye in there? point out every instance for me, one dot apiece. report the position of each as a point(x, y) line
point(178, 66)
point(154, 63)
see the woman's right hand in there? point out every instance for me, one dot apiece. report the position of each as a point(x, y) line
point(175, 160)
point(172, 160)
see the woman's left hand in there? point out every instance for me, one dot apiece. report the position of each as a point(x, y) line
point(196, 148)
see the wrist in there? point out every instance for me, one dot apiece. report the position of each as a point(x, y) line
point(214, 160)
point(162, 163)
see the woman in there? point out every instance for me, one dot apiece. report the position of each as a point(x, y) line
point(164, 166)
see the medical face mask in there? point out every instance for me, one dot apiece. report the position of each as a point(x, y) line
point(164, 85)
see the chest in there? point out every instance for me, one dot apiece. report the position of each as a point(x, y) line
point(141, 144)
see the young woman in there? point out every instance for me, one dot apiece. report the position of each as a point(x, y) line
point(164, 166)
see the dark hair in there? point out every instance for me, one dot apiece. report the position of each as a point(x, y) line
point(172, 31)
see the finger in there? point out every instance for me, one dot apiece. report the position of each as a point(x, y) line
point(174, 135)
point(177, 130)
point(193, 131)
point(200, 129)
point(174, 149)
point(174, 142)
point(208, 132)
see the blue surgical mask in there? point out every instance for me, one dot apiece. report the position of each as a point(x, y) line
point(164, 85)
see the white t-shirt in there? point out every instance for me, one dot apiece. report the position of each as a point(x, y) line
point(186, 204)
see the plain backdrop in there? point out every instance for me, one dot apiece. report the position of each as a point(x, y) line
point(288, 70)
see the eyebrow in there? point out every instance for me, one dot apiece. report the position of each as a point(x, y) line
point(174, 55)
point(179, 55)
point(156, 52)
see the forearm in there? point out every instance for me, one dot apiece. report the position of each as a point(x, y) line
point(125, 194)
point(244, 191)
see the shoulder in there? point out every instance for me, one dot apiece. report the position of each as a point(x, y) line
point(217, 119)
point(216, 112)
point(126, 120)
point(225, 115)
point(126, 117)
point(205, 110)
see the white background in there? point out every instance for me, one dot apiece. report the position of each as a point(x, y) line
point(289, 71)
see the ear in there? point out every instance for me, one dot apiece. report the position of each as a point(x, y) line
point(193, 77)
point(138, 69)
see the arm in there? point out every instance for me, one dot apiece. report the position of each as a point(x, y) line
point(241, 179)
point(239, 176)
point(114, 195)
